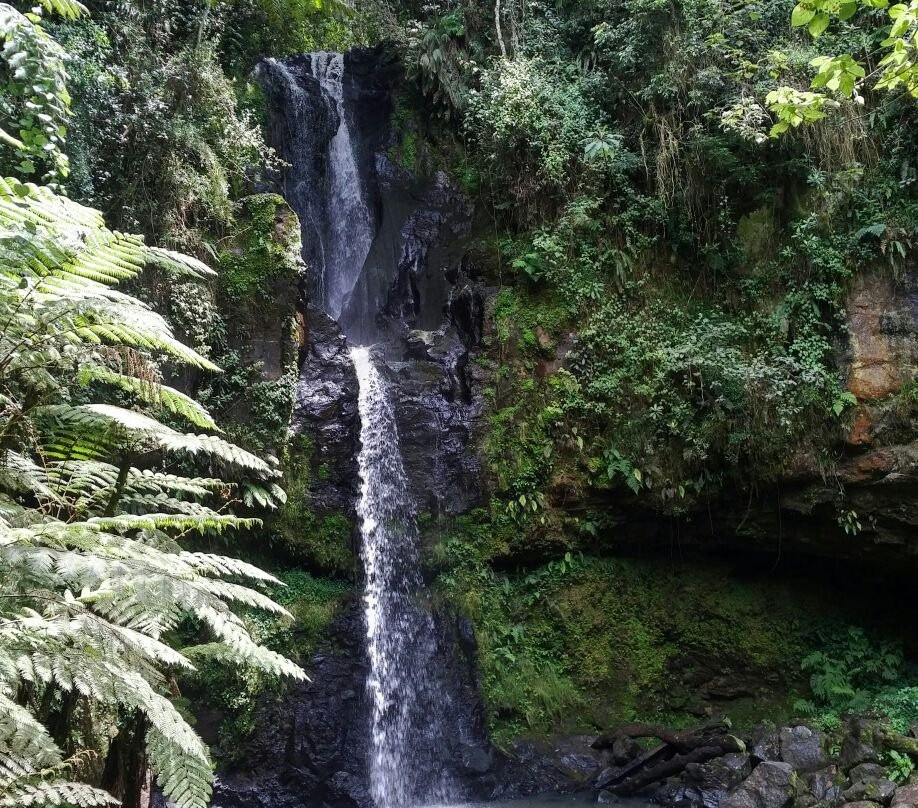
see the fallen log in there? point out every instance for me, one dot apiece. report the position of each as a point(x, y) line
point(683, 740)
point(666, 768)
point(678, 749)
point(657, 753)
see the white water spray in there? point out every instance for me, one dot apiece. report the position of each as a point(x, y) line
point(400, 636)
point(350, 228)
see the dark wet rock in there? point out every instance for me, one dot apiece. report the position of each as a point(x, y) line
point(625, 750)
point(771, 785)
point(906, 795)
point(439, 418)
point(823, 785)
point(766, 745)
point(871, 788)
point(721, 774)
point(477, 759)
point(578, 768)
point(560, 765)
point(802, 748)
point(326, 412)
point(855, 751)
point(606, 776)
point(681, 795)
point(705, 785)
point(864, 771)
point(310, 746)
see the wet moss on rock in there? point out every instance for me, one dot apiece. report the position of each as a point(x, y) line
point(323, 541)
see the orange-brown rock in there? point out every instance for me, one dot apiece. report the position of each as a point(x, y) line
point(860, 433)
point(882, 352)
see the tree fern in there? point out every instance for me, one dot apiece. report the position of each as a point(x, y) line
point(93, 574)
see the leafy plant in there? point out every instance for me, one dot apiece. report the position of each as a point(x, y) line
point(851, 673)
point(900, 767)
point(93, 573)
point(842, 75)
point(34, 102)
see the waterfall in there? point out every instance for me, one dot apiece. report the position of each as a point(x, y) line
point(321, 180)
point(417, 734)
point(349, 230)
point(409, 711)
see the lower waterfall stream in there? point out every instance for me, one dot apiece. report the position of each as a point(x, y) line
point(409, 713)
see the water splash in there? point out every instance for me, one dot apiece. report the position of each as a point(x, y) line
point(349, 232)
point(409, 712)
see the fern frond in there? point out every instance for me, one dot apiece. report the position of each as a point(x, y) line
point(68, 9)
point(153, 393)
point(24, 738)
point(96, 418)
point(54, 793)
point(178, 263)
point(216, 565)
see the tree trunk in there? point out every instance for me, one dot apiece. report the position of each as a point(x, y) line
point(112, 508)
point(125, 776)
point(500, 36)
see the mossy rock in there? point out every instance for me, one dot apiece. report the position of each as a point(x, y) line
point(585, 642)
point(263, 260)
point(322, 541)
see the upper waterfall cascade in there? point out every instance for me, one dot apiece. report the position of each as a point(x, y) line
point(408, 711)
point(338, 228)
point(350, 228)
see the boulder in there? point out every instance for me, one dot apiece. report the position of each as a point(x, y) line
point(865, 771)
point(723, 773)
point(906, 795)
point(766, 745)
point(822, 785)
point(705, 785)
point(771, 785)
point(680, 795)
point(577, 767)
point(873, 789)
point(802, 748)
point(855, 751)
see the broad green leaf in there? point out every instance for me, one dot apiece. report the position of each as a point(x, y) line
point(818, 24)
point(801, 15)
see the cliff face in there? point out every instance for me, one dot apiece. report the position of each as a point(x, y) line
point(858, 502)
point(424, 301)
point(415, 299)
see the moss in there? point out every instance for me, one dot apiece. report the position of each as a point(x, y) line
point(582, 642)
point(264, 251)
point(253, 339)
point(321, 540)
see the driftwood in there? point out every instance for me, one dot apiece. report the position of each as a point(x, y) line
point(678, 749)
point(683, 740)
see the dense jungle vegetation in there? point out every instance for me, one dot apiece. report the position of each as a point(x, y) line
point(675, 196)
